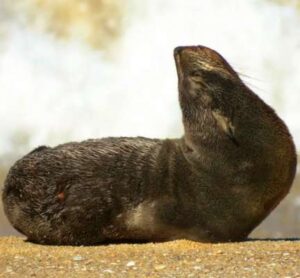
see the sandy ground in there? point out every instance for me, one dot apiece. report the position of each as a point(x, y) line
point(171, 259)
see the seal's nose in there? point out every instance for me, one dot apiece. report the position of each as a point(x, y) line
point(178, 49)
point(192, 48)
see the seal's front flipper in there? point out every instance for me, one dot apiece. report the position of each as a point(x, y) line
point(226, 125)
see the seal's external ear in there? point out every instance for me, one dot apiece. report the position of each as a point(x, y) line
point(226, 125)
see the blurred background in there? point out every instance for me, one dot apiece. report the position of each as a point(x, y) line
point(77, 69)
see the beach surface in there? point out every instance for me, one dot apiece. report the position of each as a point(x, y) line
point(180, 258)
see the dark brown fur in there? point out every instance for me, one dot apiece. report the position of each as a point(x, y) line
point(234, 164)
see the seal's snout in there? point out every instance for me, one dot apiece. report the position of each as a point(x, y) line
point(193, 48)
point(182, 49)
point(182, 55)
point(178, 49)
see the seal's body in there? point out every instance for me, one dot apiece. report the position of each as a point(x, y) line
point(234, 164)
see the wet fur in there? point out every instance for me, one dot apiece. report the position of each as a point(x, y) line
point(234, 164)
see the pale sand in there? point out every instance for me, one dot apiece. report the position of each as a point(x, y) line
point(179, 258)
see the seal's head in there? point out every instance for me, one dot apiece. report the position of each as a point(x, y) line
point(225, 120)
point(209, 91)
point(204, 74)
point(218, 109)
point(198, 60)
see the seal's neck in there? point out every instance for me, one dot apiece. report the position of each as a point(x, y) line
point(204, 125)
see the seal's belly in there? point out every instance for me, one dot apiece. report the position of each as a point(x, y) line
point(147, 222)
point(140, 223)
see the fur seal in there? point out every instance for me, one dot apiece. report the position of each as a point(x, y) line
point(234, 164)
